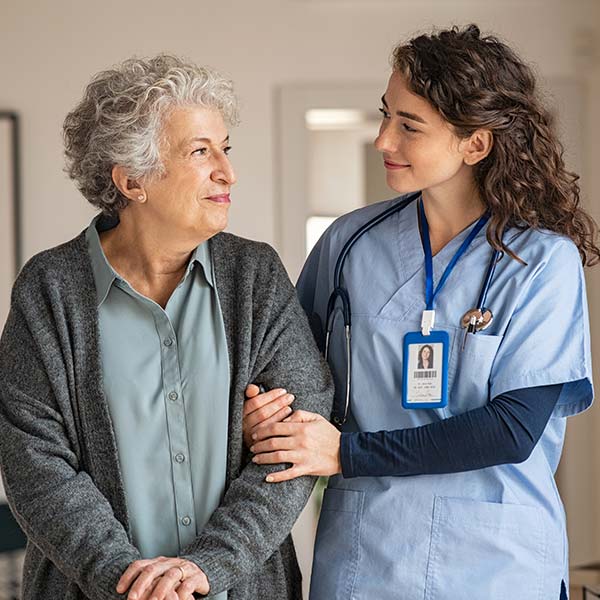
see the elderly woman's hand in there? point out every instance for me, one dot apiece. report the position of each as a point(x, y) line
point(163, 578)
point(307, 440)
point(261, 409)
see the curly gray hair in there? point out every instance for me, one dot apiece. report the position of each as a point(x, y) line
point(120, 118)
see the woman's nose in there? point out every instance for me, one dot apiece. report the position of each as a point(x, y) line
point(224, 171)
point(386, 141)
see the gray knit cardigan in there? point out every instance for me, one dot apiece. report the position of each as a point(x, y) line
point(57, 445)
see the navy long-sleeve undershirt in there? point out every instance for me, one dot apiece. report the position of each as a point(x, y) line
point(505, 430)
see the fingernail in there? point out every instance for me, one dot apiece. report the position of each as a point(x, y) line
point(269, 479)
point(252, 450)
point(288, 411)
point(254, 436)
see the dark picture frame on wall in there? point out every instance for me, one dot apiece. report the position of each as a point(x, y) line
point(10, 206)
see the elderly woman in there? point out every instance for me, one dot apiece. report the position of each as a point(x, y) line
point(125, 357)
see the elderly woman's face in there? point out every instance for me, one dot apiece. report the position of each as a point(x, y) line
point(192, 198)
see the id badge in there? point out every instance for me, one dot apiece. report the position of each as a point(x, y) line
point(425, 370)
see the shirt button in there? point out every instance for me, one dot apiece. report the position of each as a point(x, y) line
point(173, 396)
point(179, 457)
point(168, 342)
point(186, 521)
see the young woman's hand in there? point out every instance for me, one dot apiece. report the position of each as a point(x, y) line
point(307, 440)
point(260, 409)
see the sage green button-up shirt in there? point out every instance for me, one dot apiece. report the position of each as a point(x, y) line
point(166, 380)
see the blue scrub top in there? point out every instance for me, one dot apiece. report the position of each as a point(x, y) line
point(493, 533)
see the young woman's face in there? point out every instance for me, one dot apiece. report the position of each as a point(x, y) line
point(425, 353)
point(420, 150)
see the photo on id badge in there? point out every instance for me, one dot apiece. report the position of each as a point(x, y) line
point(424, 374)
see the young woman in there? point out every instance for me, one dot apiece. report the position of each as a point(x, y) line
point(442, 483)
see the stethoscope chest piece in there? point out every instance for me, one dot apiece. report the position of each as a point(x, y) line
point(477, 319)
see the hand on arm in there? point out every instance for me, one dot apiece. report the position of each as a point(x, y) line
point(305, 439)
point(260, 409)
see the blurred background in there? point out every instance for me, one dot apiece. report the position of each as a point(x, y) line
point(309, 74)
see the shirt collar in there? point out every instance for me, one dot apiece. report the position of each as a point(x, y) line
point(105, 275)
point(202, 256)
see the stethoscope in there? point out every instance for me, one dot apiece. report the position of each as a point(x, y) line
point(474, 320)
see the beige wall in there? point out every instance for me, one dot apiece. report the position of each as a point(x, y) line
point(48, 50)
point(578, 474)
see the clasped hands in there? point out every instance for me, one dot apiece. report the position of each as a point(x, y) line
point(163, 578)
point(276, 435)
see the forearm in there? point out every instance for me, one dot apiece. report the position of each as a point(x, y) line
point(253, 520)
point(503, 431)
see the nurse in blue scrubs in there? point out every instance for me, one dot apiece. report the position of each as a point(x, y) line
point(442, 479)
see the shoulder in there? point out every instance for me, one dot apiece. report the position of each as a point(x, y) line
point(348, 223)
point(57, 267)
point(343, 227)
point(239, 246)
point(246, 264)
point(542, 249)
point(238, 251)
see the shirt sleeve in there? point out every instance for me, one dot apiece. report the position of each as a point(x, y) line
point(503, 431)
point(548, 340)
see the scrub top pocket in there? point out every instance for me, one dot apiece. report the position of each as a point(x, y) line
point(485, 550)
point(468, 368)
point(338, 543)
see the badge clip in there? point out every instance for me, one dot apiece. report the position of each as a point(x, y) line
point(427, 321)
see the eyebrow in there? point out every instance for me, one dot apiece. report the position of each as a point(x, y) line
point(205, 140)
point(404, 114)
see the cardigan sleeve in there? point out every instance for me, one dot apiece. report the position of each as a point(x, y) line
point(255, 517)
point(54, 500)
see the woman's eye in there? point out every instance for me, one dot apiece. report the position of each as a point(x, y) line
point(227, 150)
point(408, 128)
point(200, 151)
point(385, 113)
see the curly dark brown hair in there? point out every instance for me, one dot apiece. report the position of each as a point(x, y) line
point(478, 82)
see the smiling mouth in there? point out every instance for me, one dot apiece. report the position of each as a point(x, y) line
point(220, 198)
point(394, 166)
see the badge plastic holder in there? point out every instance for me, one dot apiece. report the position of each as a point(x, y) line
point(440, 398)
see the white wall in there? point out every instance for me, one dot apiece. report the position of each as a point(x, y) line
point(49, 50)
point(336, 170)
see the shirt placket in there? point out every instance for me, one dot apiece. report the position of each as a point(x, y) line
point(177, 429)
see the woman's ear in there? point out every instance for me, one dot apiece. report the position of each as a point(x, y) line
point(130, 188)
point(476, 147)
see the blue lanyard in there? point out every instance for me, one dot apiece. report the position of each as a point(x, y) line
point(430, 292)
